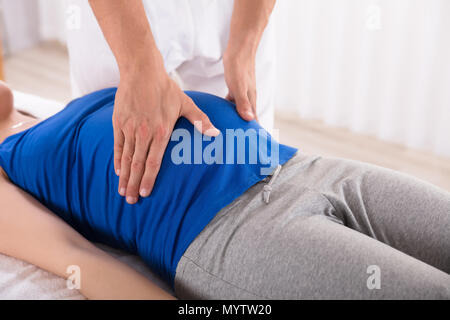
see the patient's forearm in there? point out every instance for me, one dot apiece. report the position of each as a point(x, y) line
point(30, 232)
point(128, 33)
point(104, 277)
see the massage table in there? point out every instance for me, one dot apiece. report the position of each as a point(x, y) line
point(21, 280)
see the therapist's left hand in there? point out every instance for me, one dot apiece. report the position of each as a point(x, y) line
point(240, 77)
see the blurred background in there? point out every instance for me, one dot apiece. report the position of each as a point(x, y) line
point(361, 79)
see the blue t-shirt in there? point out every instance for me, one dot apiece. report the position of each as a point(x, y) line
point(66, 162)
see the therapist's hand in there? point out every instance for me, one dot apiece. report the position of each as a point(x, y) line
point(240, 77)
point(147, 105)
point(248, 22)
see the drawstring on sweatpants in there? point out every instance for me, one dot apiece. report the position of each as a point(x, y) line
point(268, 187)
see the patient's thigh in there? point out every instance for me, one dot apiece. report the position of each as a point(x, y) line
point(399, 210)
point(298, 252)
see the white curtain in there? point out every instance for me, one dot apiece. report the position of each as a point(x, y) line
point(380, 67)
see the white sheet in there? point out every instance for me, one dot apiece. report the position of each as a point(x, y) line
point(21, 280)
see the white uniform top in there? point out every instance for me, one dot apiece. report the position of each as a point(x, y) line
point(192, 36)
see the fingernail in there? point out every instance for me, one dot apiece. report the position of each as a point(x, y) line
point(131, 200)
point(144, 192)
point(250, 114)
point(118, 172)
point(122, 191)
point(213, 132)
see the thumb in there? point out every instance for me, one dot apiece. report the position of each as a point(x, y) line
point(199, 119)
point(244, 107)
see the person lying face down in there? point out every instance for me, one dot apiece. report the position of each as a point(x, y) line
point(235, 216)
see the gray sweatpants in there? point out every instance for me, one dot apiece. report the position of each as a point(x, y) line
point(334, 229)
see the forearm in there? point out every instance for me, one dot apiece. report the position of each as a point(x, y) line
point(30, 232)
point(126, 29)
point(104, 277)
point(250, 18)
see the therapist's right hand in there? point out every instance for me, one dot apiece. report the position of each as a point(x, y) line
point(147, 105)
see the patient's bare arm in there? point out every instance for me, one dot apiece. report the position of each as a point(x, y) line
point(30, 232)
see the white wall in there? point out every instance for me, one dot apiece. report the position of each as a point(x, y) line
point(52, 15)
point(27, 22)
point(20, 27)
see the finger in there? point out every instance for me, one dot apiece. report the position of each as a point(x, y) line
point(137, 165)
point(252, 98)
point(244, 107)
point(127, 158)
point(153, 164)
point(199, 119)
point(119, 140)
point(229, 97)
